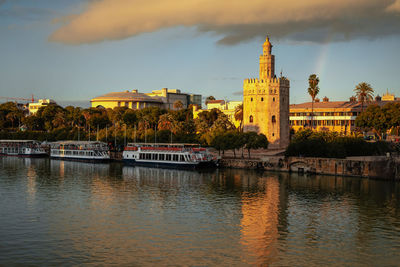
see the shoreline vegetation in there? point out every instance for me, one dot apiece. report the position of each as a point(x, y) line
point(212, 128)
point(121, 125)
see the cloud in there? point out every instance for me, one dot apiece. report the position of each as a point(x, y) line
point(234, 20)
point(2, 2)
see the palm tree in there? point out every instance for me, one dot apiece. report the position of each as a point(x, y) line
point(364, 93)
point(313, 91)
point(239, 115)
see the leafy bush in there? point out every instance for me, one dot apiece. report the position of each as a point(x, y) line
point(329, 145)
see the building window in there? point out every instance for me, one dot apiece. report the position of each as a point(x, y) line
point(273, 99)
point(251, 99)
point(273, 134)
point(262, 98)
point(273, 119)
point(251, 118)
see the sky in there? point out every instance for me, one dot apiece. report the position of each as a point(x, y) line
point(72, 51)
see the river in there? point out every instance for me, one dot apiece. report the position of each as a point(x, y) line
point(70, 213)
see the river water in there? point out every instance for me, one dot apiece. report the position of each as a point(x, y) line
point(69, 213)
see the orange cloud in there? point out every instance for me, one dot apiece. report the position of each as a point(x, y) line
point(235, 20)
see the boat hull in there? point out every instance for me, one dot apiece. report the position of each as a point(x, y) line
point(169, 165)
point(92, 160)
point(41, 155)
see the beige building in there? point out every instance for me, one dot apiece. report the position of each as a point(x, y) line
point(228, 108)
point(333, 116)
point(164, 98)
point(266, 102)
point(34, 107)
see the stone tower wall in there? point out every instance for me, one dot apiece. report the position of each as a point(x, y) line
point(266, 103)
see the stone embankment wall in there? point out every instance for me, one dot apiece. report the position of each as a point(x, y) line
point(372, 167)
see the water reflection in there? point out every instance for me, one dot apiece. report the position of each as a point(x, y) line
point(101, 214)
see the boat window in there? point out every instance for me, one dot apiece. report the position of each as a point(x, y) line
point(148, 156)
point(181, 158)
point(175, 158)
point(155, 156)
point(162, 156)
point(168, 156)
point(141, 156)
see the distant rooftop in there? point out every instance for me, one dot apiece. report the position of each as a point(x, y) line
point(133, 95)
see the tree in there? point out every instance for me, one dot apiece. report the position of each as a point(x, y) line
point(167, 122)
point(129, 117)
point(364, 93)
point(239, 115)
point(255, 141)
point(375, 119)
point(313, 91)
point(178, 105)
point(234, 140)
point(33, 123)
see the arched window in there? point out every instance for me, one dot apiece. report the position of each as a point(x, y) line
point(251, 99)
point(273, 119)
point(262, 98)
point(251, 118)
point(273, 99)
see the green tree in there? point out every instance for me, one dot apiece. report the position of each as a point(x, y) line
point(374, 118)
point(48, 114)
point(255, 141)
point(364, 93)
point(33, 123)
point(130, 117)
point(313, 91)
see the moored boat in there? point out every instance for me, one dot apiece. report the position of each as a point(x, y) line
point(168, 155)
point(23, 148)
point(80, 150)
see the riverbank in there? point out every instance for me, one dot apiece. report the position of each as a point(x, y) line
point(378, 167)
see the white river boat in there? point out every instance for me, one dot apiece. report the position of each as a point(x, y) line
point(187, 156)
point(22, 148)
point(80, 150)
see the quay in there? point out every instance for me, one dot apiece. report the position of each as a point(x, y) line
point(377, 167)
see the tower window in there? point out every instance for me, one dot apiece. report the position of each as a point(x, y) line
point(251, 118)
point(251, 99)
point(273, 99)
point(273, 134)
point(262, 98)
point(273, 119)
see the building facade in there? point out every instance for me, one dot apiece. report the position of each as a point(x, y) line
point(164, 98)
point(266, 102)
point(34, 107)
point(228, 108)
point(335, 116)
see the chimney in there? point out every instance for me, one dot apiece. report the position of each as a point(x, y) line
point(325, 99)
point(353, 99)
point(316, 100)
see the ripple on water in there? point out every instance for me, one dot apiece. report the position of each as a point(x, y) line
point(68, 213)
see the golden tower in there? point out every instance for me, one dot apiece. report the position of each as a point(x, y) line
point(266, 102)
